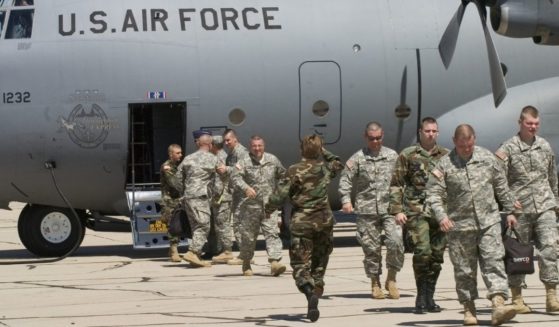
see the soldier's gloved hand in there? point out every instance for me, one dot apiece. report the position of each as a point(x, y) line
point(401, 219)
point(446, 225)
point(347, 207)
point(250, 193)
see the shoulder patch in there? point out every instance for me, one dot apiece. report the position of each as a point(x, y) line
point(349, 164)
point(501, 155)
point(437, 173)
point(166, 168)
point(238, 166)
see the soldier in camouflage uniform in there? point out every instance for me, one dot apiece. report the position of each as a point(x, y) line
point(171, 192)
point(368, 173)
point(306, 185)
point(462, 192)
point(196, 172)
point(529, 163)
point(236, 152)
point(221, 206)
point(257, 176)
point(408, 205)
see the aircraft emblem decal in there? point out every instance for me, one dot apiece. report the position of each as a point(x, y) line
point(87, 127)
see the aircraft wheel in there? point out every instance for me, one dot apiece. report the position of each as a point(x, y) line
point(49, 231)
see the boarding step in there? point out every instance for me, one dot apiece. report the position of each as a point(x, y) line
point(148, 231)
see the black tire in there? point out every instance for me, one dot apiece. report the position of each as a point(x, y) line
point(49, 231)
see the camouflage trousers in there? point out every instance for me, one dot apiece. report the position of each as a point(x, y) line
point(309, 254)
point(466, 248)
point(198, 212)
point(221, 217)
point(369, 230)
point(542, 229)
point(428, 243)
point(236, 218)
point(252, 222)
point(166, 212)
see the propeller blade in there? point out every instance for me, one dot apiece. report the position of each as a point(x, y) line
point(498, 83)
point(447, 45)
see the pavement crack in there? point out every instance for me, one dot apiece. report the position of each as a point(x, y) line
point(120, 265)
point(81, 288)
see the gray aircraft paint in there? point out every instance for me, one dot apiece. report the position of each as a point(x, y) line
point(374, 47)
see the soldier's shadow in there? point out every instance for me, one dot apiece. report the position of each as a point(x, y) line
point(290, 317)
point(362, 296)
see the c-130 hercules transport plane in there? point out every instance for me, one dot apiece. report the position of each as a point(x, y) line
point(92, 92)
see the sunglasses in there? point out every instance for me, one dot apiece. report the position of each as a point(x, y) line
point(371, 138)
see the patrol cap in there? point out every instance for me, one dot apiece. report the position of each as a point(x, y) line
point(196, 134)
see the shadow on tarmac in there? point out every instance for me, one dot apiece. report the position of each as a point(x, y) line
point(126, 250)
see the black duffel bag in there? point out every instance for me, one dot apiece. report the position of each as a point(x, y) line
point(519, 257)
point(178, 224)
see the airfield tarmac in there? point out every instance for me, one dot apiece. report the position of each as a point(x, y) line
point(107, 283)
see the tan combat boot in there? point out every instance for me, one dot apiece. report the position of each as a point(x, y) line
point(223, 257)
point(470, 317)
point(174, 253)
point(518, 301)
point(276, 268)
point(195, 260)
point(247, 269)
point(501, 313)
point(390, 284)
point(551, 304)
point(376, 291)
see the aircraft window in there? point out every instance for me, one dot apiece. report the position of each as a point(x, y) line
point(24, 2)
point(20, 24)
point(320, 108)
point(237, 116)
point(2, 14)
point(402, 111)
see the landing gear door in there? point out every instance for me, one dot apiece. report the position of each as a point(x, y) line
point(320, 100)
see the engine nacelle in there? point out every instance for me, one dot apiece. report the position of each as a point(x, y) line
point(537, 19)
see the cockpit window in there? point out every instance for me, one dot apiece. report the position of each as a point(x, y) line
point(24, 2)
point(16, 18)
point(20, 24)
point(2, 15)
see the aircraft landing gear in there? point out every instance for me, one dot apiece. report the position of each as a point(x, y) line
point(49, 231)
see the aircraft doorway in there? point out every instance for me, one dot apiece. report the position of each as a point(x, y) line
point(152, 127)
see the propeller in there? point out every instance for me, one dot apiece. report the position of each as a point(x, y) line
point(447, 45)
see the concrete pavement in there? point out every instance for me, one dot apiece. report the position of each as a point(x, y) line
point(107, 283)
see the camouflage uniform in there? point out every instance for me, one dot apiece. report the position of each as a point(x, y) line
point(239, 152)
point(407, 195)
point(370, 177)
point(221, 207)
point(464, 191)
point(532, 177)
point(306, 184)
point(171, 192)
point(263, 176)
point(196, 172)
